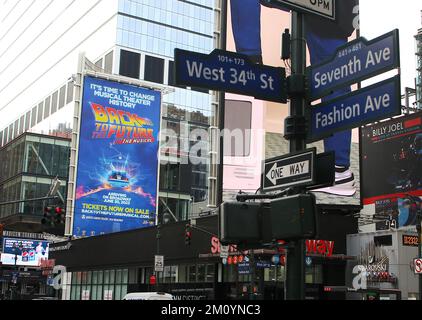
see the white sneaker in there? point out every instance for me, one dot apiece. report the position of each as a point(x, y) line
point(344, 183)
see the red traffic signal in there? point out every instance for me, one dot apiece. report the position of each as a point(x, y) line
point(48, 209)
point(59, 215)
point(188, 235)
point(152, 280)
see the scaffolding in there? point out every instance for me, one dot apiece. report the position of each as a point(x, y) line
point(418, 38)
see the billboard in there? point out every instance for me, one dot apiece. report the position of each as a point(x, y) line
point(392, 158)
point(117, 168)
point(392, 167)
point(28, 253)
point(254, 28)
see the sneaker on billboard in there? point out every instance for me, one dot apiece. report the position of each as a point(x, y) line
point(344, 183)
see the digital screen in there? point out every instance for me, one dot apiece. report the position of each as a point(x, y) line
point(26, 252)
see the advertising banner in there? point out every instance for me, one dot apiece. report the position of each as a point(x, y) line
point(116, 184)
point(27, 252)
point(253, 29)
point(392, 159)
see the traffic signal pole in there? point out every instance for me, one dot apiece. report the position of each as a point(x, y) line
point(295, 132)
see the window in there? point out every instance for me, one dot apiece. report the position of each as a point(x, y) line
point(154, 69)
point(171, 78)
point(4, 136)
point(384, 241)
point(34, 116)
point(40, 112)
point(238, 120)
point(10, 133)
point(47, 107)
point(69, 98)
point(99, 63)
point(108, 62)
point(62, 95)
point(54, 102)
point(16, 128)
point(130, 64)
point(27, 120)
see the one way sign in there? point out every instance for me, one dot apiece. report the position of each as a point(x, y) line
point(289, 170)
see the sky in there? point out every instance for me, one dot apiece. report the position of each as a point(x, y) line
point(378, 17)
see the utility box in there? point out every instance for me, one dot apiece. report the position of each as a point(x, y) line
point(291, 218)
point(253, 224)
point(239, 222)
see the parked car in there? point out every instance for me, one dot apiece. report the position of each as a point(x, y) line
point(148, 296)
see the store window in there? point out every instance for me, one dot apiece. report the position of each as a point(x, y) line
point(192, 273)
point(314, 275)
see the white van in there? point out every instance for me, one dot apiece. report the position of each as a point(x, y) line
point(148, 296)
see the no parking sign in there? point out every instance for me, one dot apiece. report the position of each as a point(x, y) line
point(418, 266)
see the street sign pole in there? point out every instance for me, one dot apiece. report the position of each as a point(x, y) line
point(295, 277)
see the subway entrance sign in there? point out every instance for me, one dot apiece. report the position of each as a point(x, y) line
point(370, 104)
point(230, 72)
point(354, 62)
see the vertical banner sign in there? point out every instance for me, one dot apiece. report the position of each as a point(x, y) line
point(116, 184)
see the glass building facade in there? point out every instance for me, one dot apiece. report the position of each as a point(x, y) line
point(27, 167)
point(148, 32)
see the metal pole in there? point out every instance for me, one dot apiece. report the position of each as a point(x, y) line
point(419, 228)
point(222, 107)
point(296, 254)
point(158, 252)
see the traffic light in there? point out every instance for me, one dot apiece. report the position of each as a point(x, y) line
point(188, 235)
point(48, 215)
point(256, 223)
point(53, 215)
point(59, 215)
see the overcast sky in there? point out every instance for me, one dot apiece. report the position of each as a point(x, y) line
point(381, 16)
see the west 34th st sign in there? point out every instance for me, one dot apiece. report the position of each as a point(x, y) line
point(230, 72)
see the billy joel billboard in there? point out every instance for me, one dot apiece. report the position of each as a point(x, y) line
point(392, 161)
point(117, 168)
